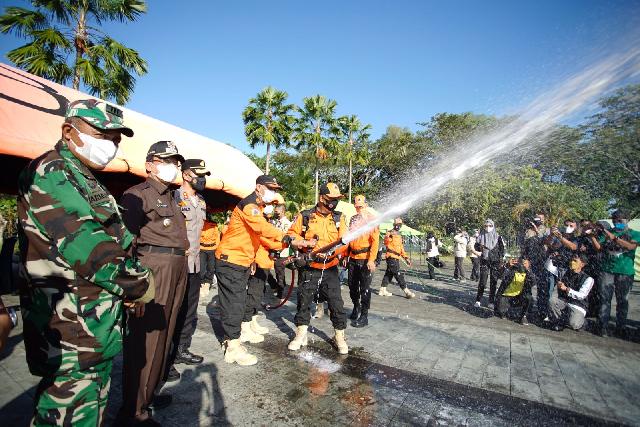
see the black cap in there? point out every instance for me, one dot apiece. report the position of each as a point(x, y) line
point(164, 150)
point(330, 190)
point(196, 165)
point(619, 214)
point(268, 181)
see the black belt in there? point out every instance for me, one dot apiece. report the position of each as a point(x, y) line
point(393, 252)
point(360, 251)
point(208, 245)
point(161, 250)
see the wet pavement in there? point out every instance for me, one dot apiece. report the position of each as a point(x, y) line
point(433, 360)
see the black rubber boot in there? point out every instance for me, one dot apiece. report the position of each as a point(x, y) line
point(161, 401)
point(173, 375)
point(355, 313)
point(362, 321)
point(185, 356)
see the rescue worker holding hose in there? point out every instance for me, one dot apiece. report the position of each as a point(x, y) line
point(362, 254)
point(234, 256)
point(251, 330)
point(395, 251)
point(324, 226)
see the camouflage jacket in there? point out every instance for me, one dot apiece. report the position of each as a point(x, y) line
point(73, 246)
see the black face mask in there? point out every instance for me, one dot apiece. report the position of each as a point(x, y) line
point(198, 183)
point(397, 227)
point(331, 204)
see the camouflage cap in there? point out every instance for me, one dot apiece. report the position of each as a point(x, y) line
point(99, 114)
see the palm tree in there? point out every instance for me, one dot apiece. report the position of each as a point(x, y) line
point(64, 45)
point(316, 129)
point(353, 132)
point(268, 120)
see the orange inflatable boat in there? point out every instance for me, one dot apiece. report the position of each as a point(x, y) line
point(32, 111)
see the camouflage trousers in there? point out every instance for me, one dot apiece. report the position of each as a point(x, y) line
point(78, 398)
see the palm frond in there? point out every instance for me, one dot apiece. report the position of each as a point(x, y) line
point(22, 22)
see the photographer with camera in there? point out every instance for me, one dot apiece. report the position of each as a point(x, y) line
point(534, 249)
point(618, 246)
point(571, 295)
point(587, 248)
point(515, 289)
point(561, 244)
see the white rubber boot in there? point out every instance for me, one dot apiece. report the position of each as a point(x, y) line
point(255, 326)
point(319, 314)
point(383, 292)
point(236, 353)
point(300, 338)
point(340, 341)
point(247, 334)
point(408, 294)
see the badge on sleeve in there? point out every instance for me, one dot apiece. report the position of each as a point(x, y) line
point(166, 222)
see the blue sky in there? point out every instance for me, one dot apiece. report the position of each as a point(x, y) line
point(388, 62)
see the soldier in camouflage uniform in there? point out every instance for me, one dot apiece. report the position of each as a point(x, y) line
point(74, 248)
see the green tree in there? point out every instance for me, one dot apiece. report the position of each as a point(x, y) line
point(316, 130)
point(354, 134)
point(66, 43)
point(268, 120)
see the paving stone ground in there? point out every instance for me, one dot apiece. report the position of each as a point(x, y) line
point(433, 360)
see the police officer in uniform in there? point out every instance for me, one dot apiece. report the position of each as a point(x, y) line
point(73, 245)
point(151, 214)
point(194, 209)
point(322, 225)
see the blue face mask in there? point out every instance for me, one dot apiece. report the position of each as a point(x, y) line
point(620, 226)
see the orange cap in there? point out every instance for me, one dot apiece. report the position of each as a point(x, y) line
point(330, 190)
point(359, 201)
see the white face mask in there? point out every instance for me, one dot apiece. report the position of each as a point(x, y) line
point(268, 210)
point(268, 196)
point(569, 229)
point(96, 150)
point(489, 229)
point(167, 172)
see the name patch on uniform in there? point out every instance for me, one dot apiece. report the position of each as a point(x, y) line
point(98, 198)
point(160, 204)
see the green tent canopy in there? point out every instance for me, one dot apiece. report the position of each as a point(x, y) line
point(405, 230)
point(349, 210)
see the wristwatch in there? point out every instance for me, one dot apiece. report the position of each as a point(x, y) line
point(13, 315)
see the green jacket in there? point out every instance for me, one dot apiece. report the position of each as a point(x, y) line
point(73, 245)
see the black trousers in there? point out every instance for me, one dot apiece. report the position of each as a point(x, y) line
point(503, 303)
point(255, 291)
point(458, 272)
point(188, 314)
point(431, 265)
point(393, 270)
point(207, 265)
point(232, 291)
point(278, 265)
point(328, 290)
point(475, 268)
point(488, 270)
point(360, 284)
